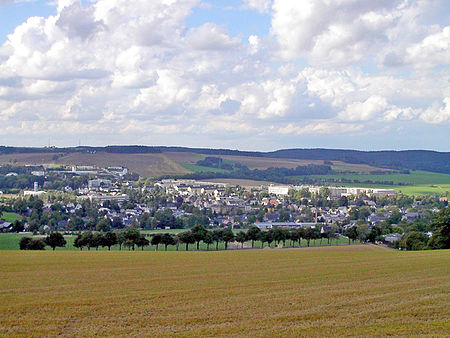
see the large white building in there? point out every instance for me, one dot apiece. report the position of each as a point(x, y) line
point(278, 189)
point(344, 191)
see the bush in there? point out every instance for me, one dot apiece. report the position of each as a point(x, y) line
point(27, 243)
point(414, 241)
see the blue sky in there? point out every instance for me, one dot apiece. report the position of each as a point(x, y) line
point(246, 74)
point(13, 14)
point(238, 20)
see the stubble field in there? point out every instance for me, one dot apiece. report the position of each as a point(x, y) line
point(355, 290)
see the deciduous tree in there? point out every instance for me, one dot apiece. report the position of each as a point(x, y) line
point(156, 240)
point(241, 237)
point(199, 233)
point(55, 239)
point(253, 234)
point(227, 236)
point(167, 239)
point(187, 238)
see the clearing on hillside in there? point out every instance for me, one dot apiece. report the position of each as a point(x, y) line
point(354, 290)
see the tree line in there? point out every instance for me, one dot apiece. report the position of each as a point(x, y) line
point(132, 238)
point(280, 175)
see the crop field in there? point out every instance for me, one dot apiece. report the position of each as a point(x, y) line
point(256, 162)
point(356, 290)
point(147, 165)
point(32, 159)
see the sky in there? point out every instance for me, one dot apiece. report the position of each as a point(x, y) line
point(239, 74)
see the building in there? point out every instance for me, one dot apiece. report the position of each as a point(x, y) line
point(278, 190)
point(5, 225)
point(270, 225)
point(98, 183)
point(391, 238)
point(33, 193)
point(112, 198)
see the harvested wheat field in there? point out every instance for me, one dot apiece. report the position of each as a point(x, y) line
point(355, 290)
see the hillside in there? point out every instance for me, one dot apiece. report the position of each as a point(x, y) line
point(409, 159)
point(320, 166)
point(144, 164)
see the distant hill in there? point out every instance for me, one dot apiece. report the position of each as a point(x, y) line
point(409, 159)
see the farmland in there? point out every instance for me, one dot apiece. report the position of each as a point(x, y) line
point(267, 162)
point(357, 290)
point(147, 165)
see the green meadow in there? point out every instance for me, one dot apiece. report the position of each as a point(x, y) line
point(415, 183)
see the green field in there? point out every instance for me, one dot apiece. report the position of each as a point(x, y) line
point(11, 242)
point(415, 183)
point(414, 178)
point(198, 168)
point(425, 189)
point(335, 291)
point(10, 216)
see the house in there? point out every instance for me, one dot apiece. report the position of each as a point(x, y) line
point(411, 216)
point(375, 219)
point(62, 224)
point(370, 203)
point(5, 225)
point(391, 238)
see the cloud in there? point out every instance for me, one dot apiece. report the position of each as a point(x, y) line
point(438, 113)
point(320, 128)
point(262, 6)
point(432, 51)
point(210, 37)
point(79, 21)
point(135, 69)
point(7, 2)
point(364, 111)
point(332, 32)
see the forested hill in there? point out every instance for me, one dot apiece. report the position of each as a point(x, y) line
point(409, 159)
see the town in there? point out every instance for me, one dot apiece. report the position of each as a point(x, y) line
point(88, 198)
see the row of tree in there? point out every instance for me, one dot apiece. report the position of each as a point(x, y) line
point(132, 238)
